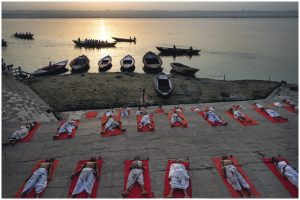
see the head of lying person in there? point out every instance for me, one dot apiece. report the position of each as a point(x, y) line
point(93, 159)
point(136, 158)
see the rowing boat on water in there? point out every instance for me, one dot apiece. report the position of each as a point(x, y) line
point(178, 51)
point(105, 63)
point(152, 63)
point(183, 69)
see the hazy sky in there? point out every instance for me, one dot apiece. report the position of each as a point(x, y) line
point(154, 5)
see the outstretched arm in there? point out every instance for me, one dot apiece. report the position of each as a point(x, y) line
point(78, 172)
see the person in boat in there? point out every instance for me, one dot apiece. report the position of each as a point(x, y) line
point(174, 47)
point(79, 39)
point(179, 178)
point(50, 64)
point(212, 117)
point(21, 133)
point(89, 173)
point(238, 115)
point(111, 124)
point(67, 127)
point(233, 176)
point(269, 112)
point(38, 179)
point(286, 170)
point(134, 38)
point(191, 48)
point(145, 121)
point(136, 175)
point(176, 118)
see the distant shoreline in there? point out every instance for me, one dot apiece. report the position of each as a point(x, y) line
point(16, 14)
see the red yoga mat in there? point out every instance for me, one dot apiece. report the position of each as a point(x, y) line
point(91, 114)
point(159, 111)
point(234, 193)
point(115, 131)
point(65, 135)
point(209, 122)
point(79, 166)
point(292, 189)
point(136, 190)
point(177, 124)
point(244, 123)
point(177, 193)
point(268, 116)
point(31, 194)
point(290, 109)
point(31, 133)
point(145, 128)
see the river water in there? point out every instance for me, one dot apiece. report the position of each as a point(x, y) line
point(259, 48)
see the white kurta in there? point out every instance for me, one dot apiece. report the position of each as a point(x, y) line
point(111, 124)
point(259, 105)
point(237, 114)
point(290, 173)
point(20, 134)
point(38, 180)
point(67, 127)
point(175, 118)
point(272, 113)
point(211, 116)
point(85, 181)
point(179, 176)
point(235, 178)
point(145, 120)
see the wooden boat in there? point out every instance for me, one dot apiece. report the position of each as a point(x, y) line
point(163, 84)
point(105, 64)
point(80, 64)
point(183, 69)
point(127, 64)
point(124, 39)
point(51, 69)
point(178, 51)
point(94, 44)
point(4, 43)
point(25, 36)
point(152, 63)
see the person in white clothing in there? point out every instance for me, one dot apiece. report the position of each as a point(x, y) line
point(145, 121)
point(89, 173)
point(67, 127)
point(286, 170)
point(136, 175)
point(21, 133)
point(179, 178)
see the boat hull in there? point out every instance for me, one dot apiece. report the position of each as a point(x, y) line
point(54, 69)
point(127, 64)
point(94, 45)
point(105, 67)
point(183, 69)
point(177, 51)
point(123, 39)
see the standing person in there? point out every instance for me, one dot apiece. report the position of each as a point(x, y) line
point(143, 98)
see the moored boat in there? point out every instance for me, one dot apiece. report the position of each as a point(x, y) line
point(80, 64)
point(91, 43)
point(26, 36)
point(178, 51)
point(183, 69)
point(127, 64)
point(51, 69)
point(105, 63)
point(163, 84)
point(124, 39)
point(152, 63)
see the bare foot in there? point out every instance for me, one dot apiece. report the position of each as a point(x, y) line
point(144, 193)
point(124, 194)
point(170, 196)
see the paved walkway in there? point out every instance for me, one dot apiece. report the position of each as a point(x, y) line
point(199, 143)
point(20, 104)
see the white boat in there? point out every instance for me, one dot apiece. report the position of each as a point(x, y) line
point(152, 63)
point(105, 63)
point(127, 64)
point(163, 84)
point(55, 68)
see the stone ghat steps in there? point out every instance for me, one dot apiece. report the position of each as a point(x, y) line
point(21, 104)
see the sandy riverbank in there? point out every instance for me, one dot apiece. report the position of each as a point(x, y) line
point(95, 91)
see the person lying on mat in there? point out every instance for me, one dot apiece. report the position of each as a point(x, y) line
point(38, 179)
point(135, 175)
point(233, 176)
point(111, 123)
point(88, 174)
point(179, 178)
point(108, 113)
point(238, 115)
point(258, 105)
point(145, 121)
point(175, 118)
point(178, 108)
point(125, 112)
point(272, 113)
point(213, 118)
point(67, 127)
point(293, 105)
point(286, 170)
point(21, 133)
